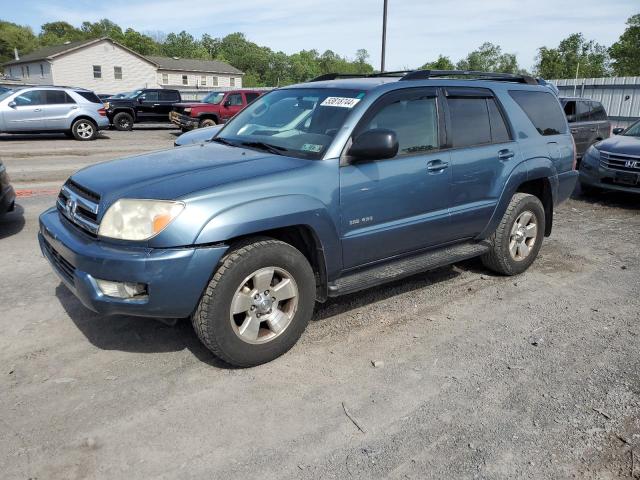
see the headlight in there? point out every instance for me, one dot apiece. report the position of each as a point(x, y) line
point(132, 219)
point(187, 110)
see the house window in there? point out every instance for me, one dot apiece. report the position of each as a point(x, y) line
point(28, 73)
point(214, 81)
point(97, 71)
point(117, 73)
point(232, 82)
point(41, 71)
point(203, 80)
point(165, 79)
point(185, 80)
point(22, 70)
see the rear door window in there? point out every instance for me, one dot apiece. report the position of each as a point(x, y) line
point(543, 110)
point(598, 112)
point(57, 97)
point(584, 111)
point(235, 100)
point(251, 97)
point(169, 96)
point(570, 111)
point(469, 121)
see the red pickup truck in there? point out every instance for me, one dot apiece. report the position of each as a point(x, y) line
point(217, 107)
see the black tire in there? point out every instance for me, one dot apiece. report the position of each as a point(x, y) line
point(84, 130)
point(69, 134)
point(499, 258)
point(212, 319)
point(123, 121)
point(185, 129)
point(207, 122)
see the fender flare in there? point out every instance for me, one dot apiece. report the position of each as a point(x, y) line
point(282, 211)
point(128, 110)
point(532, 169)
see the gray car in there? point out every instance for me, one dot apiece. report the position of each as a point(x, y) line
point(588, 122)
point(76, 112)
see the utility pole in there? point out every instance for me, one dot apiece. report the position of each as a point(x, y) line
point(384, 35)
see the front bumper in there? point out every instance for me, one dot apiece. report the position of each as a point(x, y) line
point(175, 277)
point(593, 174)
point(183, 121)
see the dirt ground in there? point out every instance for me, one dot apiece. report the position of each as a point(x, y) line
point(535, 376)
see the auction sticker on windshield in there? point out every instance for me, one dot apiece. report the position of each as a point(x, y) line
point(343, 102)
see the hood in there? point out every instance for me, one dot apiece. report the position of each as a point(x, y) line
point(192, 104)
point(172, 174)
point(622, 144)
point(197, 135)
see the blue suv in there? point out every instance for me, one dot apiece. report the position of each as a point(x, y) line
point(314, 191)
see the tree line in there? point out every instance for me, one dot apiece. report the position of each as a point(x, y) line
point(265, 67)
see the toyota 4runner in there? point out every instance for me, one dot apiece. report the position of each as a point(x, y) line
point(314, 191)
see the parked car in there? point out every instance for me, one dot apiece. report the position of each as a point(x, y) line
point(313, 191)
point(145, 105)
point(76, 112)
point(215, 108)
point(104, 96)
point(198, 135)
point(588, 122)
point(7, 193)
point(614, 163)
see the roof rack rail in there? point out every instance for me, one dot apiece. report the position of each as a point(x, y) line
point(406, 75)
point(505, 77)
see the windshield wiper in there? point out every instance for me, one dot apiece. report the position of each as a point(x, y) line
point(224, 141)
point(275, 149)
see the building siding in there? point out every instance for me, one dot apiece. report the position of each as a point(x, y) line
point(174, 78)
point(38, 73)
point(76, 68)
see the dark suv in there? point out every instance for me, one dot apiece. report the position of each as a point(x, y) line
point(588, 122)
point(313, 191)
point(141, 106)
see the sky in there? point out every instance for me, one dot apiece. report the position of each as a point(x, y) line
point(418, 31)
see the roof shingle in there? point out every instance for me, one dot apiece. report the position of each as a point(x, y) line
point(193, 65)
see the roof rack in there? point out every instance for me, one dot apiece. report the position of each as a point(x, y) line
point(406, 75)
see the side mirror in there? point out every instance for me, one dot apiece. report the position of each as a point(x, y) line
point(12, 104)
point(141, 99)
point(615, 131)
point(375, 144)
point(227, 103)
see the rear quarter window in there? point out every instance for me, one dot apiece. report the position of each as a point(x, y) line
point(90, 96)
point(543, 109)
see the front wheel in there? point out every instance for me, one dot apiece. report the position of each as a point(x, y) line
point(257, 304)
point(84, 129)
point(517, 240)
point(207, 122)
point(123, 121)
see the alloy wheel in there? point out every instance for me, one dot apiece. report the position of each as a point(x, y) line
point(523, 235)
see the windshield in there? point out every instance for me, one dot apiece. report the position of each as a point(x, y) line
point(633, 130)
point(214, 98)
point(297, 122)
point(5, 94)
point(133, 94)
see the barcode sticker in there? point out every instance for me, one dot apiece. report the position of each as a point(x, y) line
point(343, 102)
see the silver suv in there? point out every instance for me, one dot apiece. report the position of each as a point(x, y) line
point(76, 112)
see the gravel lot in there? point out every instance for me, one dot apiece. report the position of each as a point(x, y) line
point(536, 376)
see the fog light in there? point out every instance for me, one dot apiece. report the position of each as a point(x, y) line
point(122, 289)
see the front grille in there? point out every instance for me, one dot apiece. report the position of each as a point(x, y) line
point(64, 267)
point(620, 162)
point(79, 205)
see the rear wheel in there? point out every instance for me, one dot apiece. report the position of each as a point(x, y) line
point(257, 304)
point(207, 122)
point(123, 121)
point(84, 129)
point(517, 240)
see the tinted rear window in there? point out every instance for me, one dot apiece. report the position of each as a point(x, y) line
point(469, 121)
point(57, 97)
point(169, 96)
point(543, 110)
point(251, 96)
point(90, 96)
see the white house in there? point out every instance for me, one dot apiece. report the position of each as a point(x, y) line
point(105, 66)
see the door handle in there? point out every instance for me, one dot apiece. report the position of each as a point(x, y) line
point(505, 154)
point(156, 104)
point(74, 107)
point(435, 166)
point(37, 109)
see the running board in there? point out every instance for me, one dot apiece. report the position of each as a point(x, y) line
point(404, 267)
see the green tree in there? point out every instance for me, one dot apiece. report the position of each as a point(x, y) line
point(56, 33)
point(574, 53)
point(625, 53)
point(442, 63)
point(102, 28)
point(139, 42)
point(14, 36)
point(489, 58)
point(184, 45)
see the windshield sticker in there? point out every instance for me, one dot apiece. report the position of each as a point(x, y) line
point(343, 102)
point(312, 147)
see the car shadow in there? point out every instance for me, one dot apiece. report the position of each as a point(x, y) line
point(147, 335)
point(19, 137)
point(609, 198)
point(134, 334)
point(12, 223)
